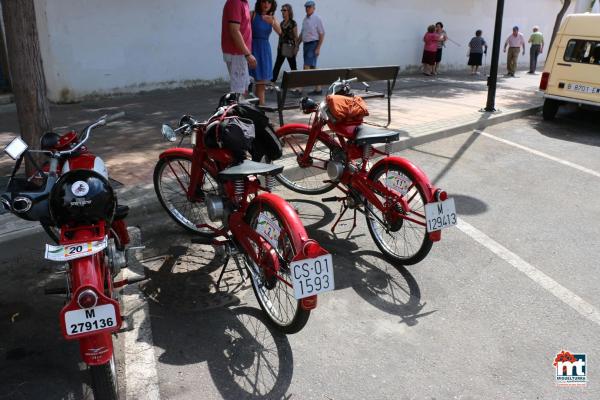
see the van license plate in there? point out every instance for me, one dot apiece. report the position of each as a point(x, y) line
point(578, 87)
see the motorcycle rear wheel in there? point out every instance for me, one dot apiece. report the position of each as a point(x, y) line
point(275, 297)
point(104, 381)
point(402, 241)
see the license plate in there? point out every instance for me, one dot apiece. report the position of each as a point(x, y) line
point(578, 87)
point(90, 319)
point(268, 229)
point(440, 215)
point(312, 276)
point(73, 251)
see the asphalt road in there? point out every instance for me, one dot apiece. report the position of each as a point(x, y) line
point(482, 317)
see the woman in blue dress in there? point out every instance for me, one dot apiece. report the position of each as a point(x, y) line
point(263, 23)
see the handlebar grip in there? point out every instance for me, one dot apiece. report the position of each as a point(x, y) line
point(114, 117)
point(352, 80)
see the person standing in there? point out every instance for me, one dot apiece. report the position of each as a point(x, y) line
point(287, 46)
point(514, 43)
point(431, 39)
point(263, 23)
point(312, 37)
point(537, 47)
point(442, 37)
point(477, 48)
point(236, 44)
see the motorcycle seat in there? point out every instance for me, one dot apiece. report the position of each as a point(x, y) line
point(247, 168)
point(369, 135)
point(121, 212)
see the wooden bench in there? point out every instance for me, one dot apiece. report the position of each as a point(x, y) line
point(325, 77)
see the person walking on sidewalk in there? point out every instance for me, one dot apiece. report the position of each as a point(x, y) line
point(476, 51)
point(312, 37)
point(537, 47)
point(236, 44)
point(514, 43)
point(263, 23)
point(442, 37)
point(287, 47)
point(430, 50)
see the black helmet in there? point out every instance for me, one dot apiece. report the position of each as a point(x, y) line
point(82, 197)
point(49, 140)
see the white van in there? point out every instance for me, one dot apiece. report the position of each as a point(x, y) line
point(572, 69)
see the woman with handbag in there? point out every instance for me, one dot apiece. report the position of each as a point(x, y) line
point(287, 47)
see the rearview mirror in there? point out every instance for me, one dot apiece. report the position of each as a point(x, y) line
point(168, 133)
point(16, 148)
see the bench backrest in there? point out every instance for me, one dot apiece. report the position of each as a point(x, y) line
point(326, 76)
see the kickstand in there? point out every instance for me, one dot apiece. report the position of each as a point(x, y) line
point(224, 269)
point(343, 208)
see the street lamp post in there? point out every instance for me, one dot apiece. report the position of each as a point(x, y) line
point(493, 77)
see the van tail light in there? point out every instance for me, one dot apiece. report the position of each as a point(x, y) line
point(544, 80)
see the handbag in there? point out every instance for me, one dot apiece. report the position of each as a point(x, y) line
point(288, 50)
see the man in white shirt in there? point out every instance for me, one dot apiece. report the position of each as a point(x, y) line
point(312, 37)
point(514, 42)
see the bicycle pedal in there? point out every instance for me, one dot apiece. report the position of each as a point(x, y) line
point(331, 199)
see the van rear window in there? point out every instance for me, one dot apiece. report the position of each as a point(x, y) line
point(583, 51)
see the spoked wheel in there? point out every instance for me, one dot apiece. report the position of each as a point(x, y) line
point(104, 381)
point(171, 182)
point(276, 294)
point(399, 239)
point(305, 179)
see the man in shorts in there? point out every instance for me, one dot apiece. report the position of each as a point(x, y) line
point(236, 43)
point(312, 37)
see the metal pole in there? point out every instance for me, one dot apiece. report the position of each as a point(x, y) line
point(493, 77)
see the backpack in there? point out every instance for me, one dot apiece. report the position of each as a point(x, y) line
point(232, 133)
point(266, 143)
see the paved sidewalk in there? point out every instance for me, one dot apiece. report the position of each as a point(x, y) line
point(423, 109)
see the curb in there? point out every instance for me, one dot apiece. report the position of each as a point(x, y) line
point(12, 227)
point(407, 142)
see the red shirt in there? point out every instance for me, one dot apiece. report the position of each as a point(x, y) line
point(238, 12)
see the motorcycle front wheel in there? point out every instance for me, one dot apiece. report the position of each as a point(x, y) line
point(308, 179)
point(172, 176)
point(276, 295)
point(104, 381)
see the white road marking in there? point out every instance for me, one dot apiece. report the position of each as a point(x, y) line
point(539, 153)
point(141, 376)
point(562, 293)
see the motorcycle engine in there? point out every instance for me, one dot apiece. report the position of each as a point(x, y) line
point(216, 207)
point(116, 258)
point(337, 164)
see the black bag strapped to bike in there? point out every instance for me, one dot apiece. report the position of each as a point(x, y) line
point(233, 133)
point(266, 142)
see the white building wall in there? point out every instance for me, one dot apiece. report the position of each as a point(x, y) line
point(111, 46)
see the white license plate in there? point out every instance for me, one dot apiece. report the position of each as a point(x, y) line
point(578, 87)
point(90, 319)
point(312, 276)
point(440, 215)
point(73, 251)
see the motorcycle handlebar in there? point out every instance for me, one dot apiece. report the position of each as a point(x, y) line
point(100, 122)
point(113, 117)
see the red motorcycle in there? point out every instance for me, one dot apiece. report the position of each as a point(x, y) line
point(212, 193)
point(404, 211)
point(78, 200)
